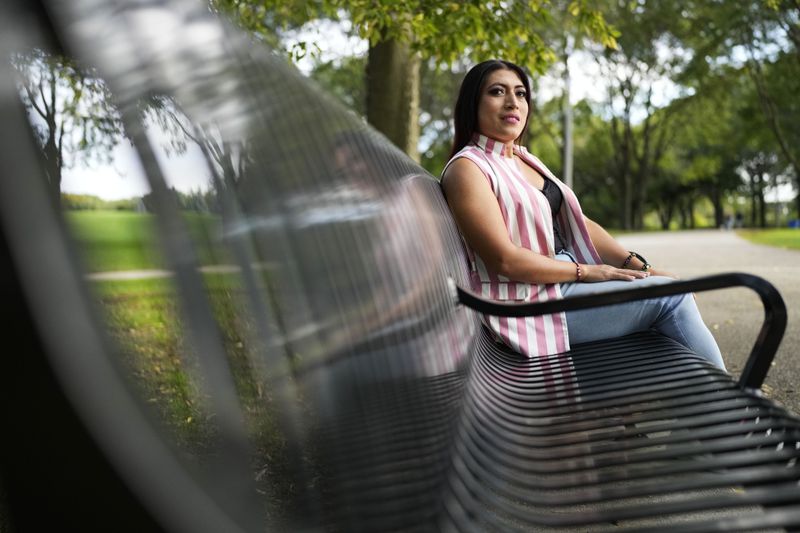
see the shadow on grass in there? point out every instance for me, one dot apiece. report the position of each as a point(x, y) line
point(143, 320)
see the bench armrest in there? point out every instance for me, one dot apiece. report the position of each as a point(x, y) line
point(761, 356)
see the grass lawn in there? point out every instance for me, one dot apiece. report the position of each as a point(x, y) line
point(124, 240)
point(781, 238)
point(143, 319)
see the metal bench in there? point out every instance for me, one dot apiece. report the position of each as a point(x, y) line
point(397, 410)
point(637, 432)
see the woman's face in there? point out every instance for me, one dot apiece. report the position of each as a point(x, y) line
point(502, 106)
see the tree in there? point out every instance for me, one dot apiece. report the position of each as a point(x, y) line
point(777, 84)
point(641, 126)
point(593, 158)
point(763, 36)
point(705, 153)
point(229, 158)
point(345, 80)
point(403, 34)
point(71, 113)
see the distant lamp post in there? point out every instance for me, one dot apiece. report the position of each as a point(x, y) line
point(566, 156)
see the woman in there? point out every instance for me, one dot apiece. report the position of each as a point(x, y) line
point(528, 240)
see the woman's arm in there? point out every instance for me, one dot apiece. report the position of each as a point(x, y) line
point(480, 221)
point(612, 253)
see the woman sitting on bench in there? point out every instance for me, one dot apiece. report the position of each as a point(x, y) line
point(528, 240)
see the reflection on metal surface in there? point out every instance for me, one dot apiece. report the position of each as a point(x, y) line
point(334, 288)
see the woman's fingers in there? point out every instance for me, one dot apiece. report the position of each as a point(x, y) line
point(606, 272)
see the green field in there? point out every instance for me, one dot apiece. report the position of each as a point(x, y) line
point(123, 240)
point(781, 238)
point(143, 319)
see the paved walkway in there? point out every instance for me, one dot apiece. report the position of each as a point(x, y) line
point(735, 315)
point(122, 275)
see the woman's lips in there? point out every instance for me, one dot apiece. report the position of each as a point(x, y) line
point(511, 119)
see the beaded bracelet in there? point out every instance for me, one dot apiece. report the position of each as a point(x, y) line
point(645, 265)
point(578, 272)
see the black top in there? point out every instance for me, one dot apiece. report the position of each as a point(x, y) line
point(555, 199)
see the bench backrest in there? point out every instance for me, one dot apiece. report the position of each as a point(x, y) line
point(341, 250)
point(358, 263)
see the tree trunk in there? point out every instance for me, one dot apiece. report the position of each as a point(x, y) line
point(52, 168)
point(393, 93)
point(762, 204)
point(719, 214)
point(627, 203)
point(684, 216)
point(665, 214)
point(638, 207)
point(797, 204)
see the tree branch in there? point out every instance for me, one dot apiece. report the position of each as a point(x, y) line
point(768, 106)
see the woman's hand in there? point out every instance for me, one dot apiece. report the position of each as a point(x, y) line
point(655, 272)
point(606, 272)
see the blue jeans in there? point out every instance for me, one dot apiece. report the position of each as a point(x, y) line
point(676, 317)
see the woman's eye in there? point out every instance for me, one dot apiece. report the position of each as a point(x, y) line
point(496, 91)
point(521, 94)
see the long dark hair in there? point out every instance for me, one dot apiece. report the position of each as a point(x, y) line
point(465, 115)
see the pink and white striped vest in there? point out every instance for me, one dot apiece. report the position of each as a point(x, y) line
point(529, 221)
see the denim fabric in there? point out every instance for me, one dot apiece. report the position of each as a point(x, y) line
point(676, 317)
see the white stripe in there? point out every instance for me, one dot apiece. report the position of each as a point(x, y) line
point(513, 333)
point(494, 324)
point(519, 188)
point(504, 196)
point(480, 266)
point(542, 207)
point(577, 236)
point(550, 333)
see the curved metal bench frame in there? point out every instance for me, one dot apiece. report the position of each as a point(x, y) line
point(761, 355)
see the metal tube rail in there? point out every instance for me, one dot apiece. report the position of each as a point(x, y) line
point(761, 355)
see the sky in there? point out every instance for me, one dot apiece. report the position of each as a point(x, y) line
point(125, 178)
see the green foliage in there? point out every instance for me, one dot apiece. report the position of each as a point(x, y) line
point(196, 200)
point(436, 111)
point(267, 19)
point(670, 156)
point(766, 37)
point(84, 202)
point(442, 31)
point(345, 80)
point(593, 155)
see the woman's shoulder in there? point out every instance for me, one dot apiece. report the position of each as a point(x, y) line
point(470, 151)
point(461, 165)
point(467, 157)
